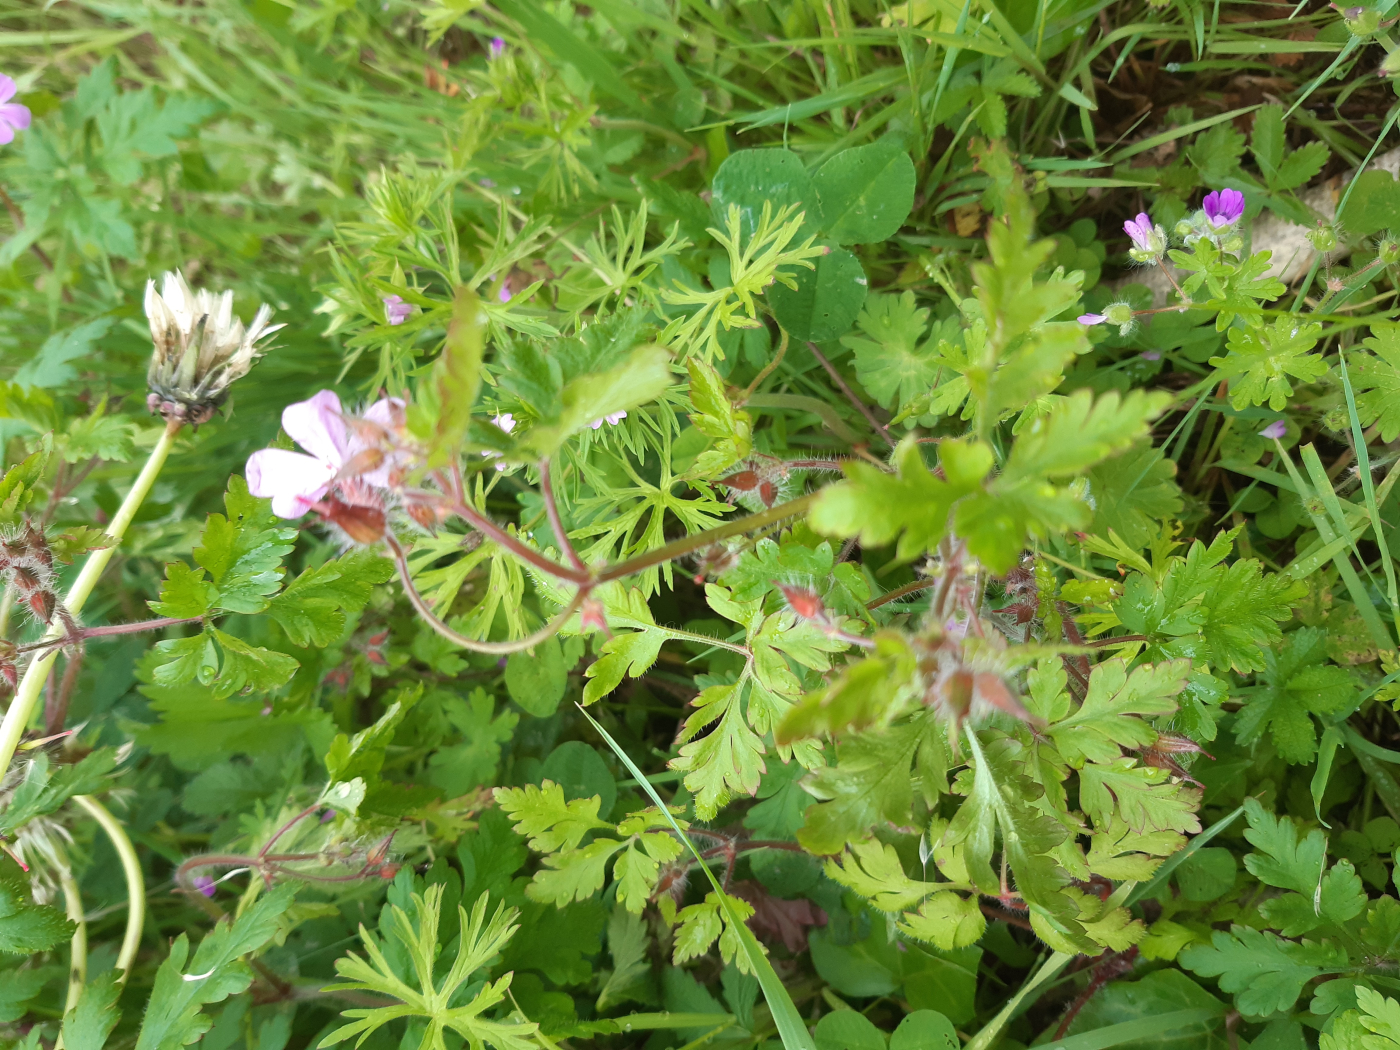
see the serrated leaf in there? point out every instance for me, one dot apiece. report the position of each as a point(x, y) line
point(1112, 715)
point(542, 815)
point(913, 505)
point(312, 609)
point(1266, 974)
point(173, 1018)
point(1376, 379)
point(26, 927)
point(1261, 360)
point(1297, 685)
point(946, 920)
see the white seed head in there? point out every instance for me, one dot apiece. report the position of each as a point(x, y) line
point(199, 348)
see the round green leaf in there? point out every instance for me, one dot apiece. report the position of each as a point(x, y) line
point(752, 176)
point(848, 1030)
point(865, 194)
point(827, 300)
point(925, 1030)
point(536, 681)
point(582, 773)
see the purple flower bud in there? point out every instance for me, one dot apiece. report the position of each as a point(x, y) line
point(1275, 430)
point(498, 47)
point(396, 311)
point(1092, 319)
point(1151, 355)
point(1223, 207)
point(327, 816)
point(204, 884)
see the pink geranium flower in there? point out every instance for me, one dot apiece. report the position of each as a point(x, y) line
point(13, 116)
point(295, 481)
point(1223, 207)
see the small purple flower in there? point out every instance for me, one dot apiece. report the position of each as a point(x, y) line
point(498, 47)
point(1275, 430)
point(396, 311)
point(611, 420)
point(1092, 318)
point(1151, 355)
point(204, 884)
point(13, 116)
point(1223, 207)
point(504, 294)
point(327, 816)
point(1140, 229)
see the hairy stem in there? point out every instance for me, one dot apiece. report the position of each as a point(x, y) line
point(552, 509)
point(688, 544)
point(494, 532)
point(27, 695)
point(496, 648)
point(880, 429)
point(135, 883)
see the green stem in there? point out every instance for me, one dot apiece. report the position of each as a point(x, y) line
point(27, 695)
point(135, 883)
point(77, 965)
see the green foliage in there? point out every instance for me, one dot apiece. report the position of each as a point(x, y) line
point(936, 731)
point(418, 992)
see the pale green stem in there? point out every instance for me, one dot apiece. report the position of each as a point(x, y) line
point(135, 884)
point(27, 695)
point(77, 965)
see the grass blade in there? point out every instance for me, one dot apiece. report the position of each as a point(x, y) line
point(791, 1028)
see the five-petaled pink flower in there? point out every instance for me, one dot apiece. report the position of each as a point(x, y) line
point(293, 481)
point(13, 116)
point(1275, 430)
point(1223, 207)
point(396, 311)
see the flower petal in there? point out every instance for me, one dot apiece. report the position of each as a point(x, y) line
point(15, 115)
point(387, 411)
point(7, 88)
point(292, 481)
point(316, 426)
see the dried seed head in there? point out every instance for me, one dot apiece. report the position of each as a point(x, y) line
point(199, 348)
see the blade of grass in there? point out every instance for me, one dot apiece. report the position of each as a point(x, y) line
point(1368, 489)
point(1177, 133)
point(1139, 1032)
point(1364, 608)
point(1159, 878)
point(791, 1029)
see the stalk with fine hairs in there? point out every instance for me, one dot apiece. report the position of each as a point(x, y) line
point(27, 695)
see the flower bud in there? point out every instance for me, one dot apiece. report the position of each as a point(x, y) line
point(1388, 252)
point(1361, 22)
point(1323, 237)
point(1118, 313)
